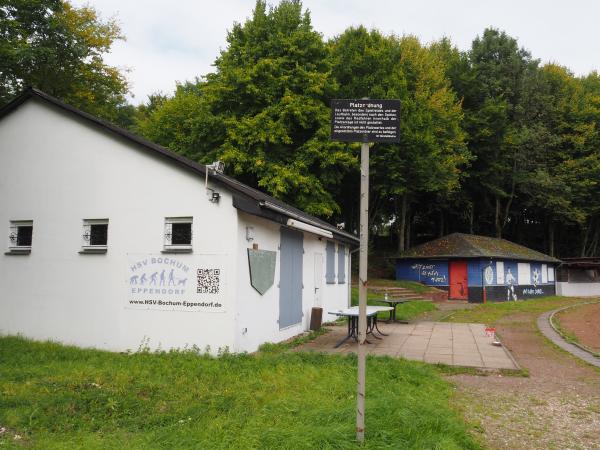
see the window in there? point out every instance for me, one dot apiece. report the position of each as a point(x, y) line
point(524, 274)
point(330, 262)
point(178, 234)
point(95, 236)
point(20, 237)
point(341, 264)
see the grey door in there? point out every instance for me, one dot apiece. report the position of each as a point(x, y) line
point(290, 278)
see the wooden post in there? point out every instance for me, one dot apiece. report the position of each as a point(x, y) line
point(362, 290)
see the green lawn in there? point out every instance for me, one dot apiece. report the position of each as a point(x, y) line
point(412, 285)
point(490, 313)
point(58, 397)
point(405, 311)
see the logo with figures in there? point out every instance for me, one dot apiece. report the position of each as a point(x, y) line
point(158, 275)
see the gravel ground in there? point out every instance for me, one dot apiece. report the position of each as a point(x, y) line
point(556, 407)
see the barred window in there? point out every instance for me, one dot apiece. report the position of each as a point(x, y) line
point(20, 234)
point(95, 236)
point(178, 234)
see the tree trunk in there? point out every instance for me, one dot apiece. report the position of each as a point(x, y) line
point(408, 230)
point(402, 227)
point(471, 218)
point(585, 239)
point(551, 237)
point(441, 229)
point(502, 216)
point(593, 247)
point(497, 223)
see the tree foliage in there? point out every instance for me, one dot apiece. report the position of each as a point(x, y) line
point(51, 45)
point(432, 150)
point(492, 142)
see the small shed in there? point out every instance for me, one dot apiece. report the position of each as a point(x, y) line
point(579, 277)
point(479, 268)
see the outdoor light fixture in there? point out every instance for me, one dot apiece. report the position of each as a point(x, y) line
point(315, 227)
point(249, 234)
point(310, 228)
point(216, 167)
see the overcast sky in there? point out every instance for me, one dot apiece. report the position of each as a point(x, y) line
point(176, 40)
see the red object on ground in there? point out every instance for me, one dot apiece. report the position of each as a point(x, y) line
point(459, 284)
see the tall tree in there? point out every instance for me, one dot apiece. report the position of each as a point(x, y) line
point(272, 88)
point(494, 116)
point(51, 45)
point(184, 122)
point(432, 150)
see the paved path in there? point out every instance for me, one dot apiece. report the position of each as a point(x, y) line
point(457, 344)
point(543, 323)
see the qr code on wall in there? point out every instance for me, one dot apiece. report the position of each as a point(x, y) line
point(208, 281)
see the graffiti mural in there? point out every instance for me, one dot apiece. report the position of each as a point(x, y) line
point(431, 273)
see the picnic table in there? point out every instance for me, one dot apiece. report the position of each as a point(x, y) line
point(352, 315)
point(393, 302)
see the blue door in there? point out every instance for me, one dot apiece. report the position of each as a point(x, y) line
point(290, 278)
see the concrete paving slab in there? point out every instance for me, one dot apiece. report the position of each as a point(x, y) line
point(468, 360)
point(459, 344)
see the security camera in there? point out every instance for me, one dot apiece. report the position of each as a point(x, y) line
point(217, 166)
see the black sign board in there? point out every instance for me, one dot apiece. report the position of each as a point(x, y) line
point(365, 120)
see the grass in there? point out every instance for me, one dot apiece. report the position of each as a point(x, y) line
point(405, 311)
point(58, 397)
point(491, 313)
point(412, 285)
point(567, 335)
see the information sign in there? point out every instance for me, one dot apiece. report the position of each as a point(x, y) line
point(365, 120)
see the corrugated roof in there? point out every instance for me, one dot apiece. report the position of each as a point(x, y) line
point(229, 182)
point(459, 245)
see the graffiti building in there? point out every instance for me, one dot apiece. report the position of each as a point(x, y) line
point(115, 242)
point(479, 268)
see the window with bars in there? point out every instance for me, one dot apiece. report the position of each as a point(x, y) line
point(20, 236)
point(95, 236)
point(178, 234)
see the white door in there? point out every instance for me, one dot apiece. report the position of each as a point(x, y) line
point(319, 279)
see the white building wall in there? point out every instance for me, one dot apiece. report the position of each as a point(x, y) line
point(57, 170)
point(257, 315)
point(578, 289)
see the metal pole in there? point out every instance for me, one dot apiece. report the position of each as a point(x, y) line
point(362, 290)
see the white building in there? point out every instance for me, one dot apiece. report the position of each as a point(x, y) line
point(114, 242)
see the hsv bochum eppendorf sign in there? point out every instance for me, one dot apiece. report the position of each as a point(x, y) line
point(365, 120)
point(176, 283)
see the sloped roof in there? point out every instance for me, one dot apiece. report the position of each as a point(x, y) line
point(245, 193)
point(459, 245)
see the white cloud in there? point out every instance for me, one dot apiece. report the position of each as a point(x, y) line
point(178, 40)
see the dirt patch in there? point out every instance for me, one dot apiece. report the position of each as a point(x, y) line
point(584, 323)
point(557, 406)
